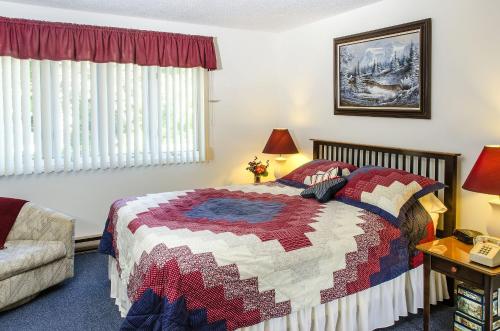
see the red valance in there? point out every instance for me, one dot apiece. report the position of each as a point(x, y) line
point(28, 39)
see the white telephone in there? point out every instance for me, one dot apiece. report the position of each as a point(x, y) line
point(486, 251)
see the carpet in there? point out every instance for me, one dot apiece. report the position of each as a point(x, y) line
point(83, 303)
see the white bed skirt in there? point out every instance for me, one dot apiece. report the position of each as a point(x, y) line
point(377, 307)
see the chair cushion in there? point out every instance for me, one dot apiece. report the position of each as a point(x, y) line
point(22, 255)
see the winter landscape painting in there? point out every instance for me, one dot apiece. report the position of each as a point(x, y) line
point(380, 74)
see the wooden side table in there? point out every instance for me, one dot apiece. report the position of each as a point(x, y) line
point(451, 257)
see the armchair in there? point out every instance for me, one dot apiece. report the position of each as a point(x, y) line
point(39, 253)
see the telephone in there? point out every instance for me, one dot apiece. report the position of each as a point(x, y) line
point(486, 251)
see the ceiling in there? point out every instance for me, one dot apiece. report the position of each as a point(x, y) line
point(268, 15)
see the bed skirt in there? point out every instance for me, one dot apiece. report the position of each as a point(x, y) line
point(377, 307)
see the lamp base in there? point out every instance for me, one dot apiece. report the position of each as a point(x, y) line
point(278, 171)
point(493, 228)
point(495, 202)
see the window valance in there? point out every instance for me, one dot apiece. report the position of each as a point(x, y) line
point(28, 39)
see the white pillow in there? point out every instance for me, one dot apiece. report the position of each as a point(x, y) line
point(434, 207)
point(432, 204)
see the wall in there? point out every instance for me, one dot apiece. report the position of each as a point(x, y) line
point(465, 85)
point(240, 123)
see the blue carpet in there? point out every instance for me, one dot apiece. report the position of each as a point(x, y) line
point(80, 303)
point(83, 303)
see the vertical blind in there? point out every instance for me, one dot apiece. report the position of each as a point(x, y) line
point(69, 115)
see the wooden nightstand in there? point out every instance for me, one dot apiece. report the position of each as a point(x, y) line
point(451, 257)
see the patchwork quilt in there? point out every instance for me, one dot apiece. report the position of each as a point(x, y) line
point(225, 258)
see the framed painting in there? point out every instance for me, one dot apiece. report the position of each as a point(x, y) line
point(385, 72)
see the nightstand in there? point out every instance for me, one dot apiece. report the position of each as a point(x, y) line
point(451, 257)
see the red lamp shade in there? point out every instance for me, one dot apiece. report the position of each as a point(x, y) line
point(485, 175)
point(280, 142)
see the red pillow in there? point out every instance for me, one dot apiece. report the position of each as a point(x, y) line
point(9, 209)
point(384, 191)
point(316, 171)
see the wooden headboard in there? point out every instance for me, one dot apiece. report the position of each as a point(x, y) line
point(440, 166)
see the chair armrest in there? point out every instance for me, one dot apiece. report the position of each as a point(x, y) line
point(38, 223)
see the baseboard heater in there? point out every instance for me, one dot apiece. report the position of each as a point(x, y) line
point(89, 243)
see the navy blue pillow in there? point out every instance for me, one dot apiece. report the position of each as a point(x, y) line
point(324, 191)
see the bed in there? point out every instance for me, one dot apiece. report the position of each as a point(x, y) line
point(261, 257)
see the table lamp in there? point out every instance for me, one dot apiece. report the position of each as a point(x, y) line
point(485, 177)
point(280, 142)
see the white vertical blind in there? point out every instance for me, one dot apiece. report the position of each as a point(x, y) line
point(85, 83)
point(7, 116)
point(69, 116)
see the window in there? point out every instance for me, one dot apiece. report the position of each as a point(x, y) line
point(69, 115)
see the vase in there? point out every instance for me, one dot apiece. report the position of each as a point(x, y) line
point(256, 179)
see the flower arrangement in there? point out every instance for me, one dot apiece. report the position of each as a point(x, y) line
point(258, 169)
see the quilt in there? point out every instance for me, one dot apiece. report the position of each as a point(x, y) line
point(230, 257)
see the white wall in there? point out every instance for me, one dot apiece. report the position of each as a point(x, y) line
point(241, 123)
point(465, 85)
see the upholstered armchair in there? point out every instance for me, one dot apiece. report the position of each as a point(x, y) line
point(39, 253)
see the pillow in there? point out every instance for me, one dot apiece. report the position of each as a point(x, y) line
point(432, 204)
point(435, 220)
point(384, 191)
point(434, 207)
point(9, 209)
point(316, 171)
point(325, 190)
point(417, 228)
